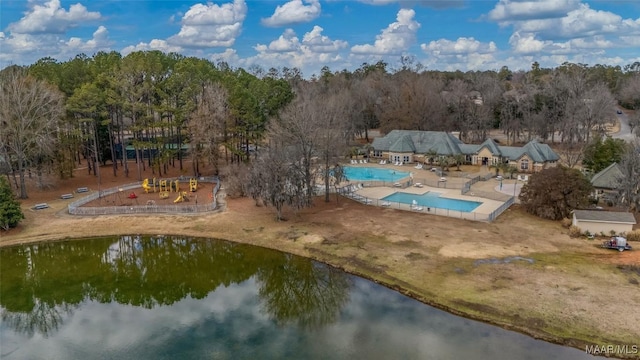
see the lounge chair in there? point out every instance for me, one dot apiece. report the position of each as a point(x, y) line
point(397, 184)
point(367, 201)
point(419, 166)
point(401, 163)
point(418, 185)
point(385, 204)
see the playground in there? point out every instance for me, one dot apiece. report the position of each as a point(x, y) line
point(158, 192)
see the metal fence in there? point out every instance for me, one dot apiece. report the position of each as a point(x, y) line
point(77, 208)
point(475, 216)
point(494, 214)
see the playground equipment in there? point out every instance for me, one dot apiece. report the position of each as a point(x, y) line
point(149, 186)
point(133, 196)
point(183, 196)
point(164, 194)
point(160, 185)
point(193, 185)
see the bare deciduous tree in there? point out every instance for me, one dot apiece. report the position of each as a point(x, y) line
point(30, 110)
point(206, 125)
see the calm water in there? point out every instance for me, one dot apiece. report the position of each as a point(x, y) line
point(181, 298)
point(373, 174)
point(433, 199)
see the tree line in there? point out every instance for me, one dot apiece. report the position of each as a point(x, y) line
point(292, 130)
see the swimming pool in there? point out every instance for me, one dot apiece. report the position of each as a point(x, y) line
point(373, 174)
point(433, 200)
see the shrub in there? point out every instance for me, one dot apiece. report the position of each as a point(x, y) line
point(566, 223)
point(10, 212)
point(574, 231)
point(633, 235)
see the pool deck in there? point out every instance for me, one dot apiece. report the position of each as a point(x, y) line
point(377, 193)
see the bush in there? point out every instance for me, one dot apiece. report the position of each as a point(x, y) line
point(10, 212)
point(566, 223)
point(633, 235)
point(574, 231)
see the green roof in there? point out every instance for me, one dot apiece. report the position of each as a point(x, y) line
point(443, 143)
point(608, 178)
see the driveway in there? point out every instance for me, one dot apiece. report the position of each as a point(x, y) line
point(625, 130)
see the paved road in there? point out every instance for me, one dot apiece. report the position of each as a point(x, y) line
point(625, 130)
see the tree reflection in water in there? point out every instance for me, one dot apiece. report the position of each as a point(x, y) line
point(41, 283)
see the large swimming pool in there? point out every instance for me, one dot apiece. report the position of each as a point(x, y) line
point(433, 200)
point(373, 174)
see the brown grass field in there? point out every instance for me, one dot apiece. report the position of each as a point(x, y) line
point(564, 296)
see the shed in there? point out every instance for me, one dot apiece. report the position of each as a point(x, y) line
point(597, 222)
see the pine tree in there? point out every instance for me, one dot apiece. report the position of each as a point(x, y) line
point(10, 212)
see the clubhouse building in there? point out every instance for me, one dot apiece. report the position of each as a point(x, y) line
point(412, 146)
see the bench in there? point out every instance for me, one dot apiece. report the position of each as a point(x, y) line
point(66, 196)
point(82, 190)
point(41, 206)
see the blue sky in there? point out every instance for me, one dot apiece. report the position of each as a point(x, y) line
point(309, 34)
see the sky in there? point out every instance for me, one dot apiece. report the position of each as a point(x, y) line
point(444, 35)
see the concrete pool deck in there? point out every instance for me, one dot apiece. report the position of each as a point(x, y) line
point(373, 195)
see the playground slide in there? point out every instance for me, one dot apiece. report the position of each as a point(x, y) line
point(145, 185)
point(180, 198)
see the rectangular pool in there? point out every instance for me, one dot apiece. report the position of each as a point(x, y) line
point(367, 173)
point(433, 200)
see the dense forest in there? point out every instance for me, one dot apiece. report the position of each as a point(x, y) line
point(156, 110)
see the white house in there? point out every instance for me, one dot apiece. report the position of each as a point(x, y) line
point(603, 222)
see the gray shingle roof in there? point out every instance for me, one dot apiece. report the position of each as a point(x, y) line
point(608, 178)
point(604, 216)
point(422, 142)
point(443, 143)
point(404, 144)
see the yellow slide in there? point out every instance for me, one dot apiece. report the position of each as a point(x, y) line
point(145, 186)
point(181, 197)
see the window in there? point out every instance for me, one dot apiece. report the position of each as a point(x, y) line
point(524, 164)
point(405, 158)
point(377, 153)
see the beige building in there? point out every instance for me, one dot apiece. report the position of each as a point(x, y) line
point(409, 146)
point(603, 222)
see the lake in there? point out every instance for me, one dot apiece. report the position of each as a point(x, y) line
point(163, 297)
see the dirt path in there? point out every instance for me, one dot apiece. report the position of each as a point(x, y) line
point(556, 291)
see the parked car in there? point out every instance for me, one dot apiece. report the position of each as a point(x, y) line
point(618, 111)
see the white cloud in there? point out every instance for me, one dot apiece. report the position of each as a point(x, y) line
point(462, 54)
point(25, 48)
point(155, 44)
point(99, 41)
point(211, 25)
point(318, 43)
point(395, 39)
point(287, 42)
point(50, 18)
point(513, 10)
point(461, 46)
point(314, 51)
point(293, 12)
point(527, 44)
point(438, 4)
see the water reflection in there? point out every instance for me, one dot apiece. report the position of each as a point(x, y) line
point(168, 298)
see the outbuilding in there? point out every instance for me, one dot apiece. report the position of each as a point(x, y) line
point(603, 222)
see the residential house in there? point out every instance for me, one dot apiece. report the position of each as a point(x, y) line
point(411, 146)
point(606, 182)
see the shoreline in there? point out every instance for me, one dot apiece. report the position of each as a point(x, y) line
point(349, 236)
